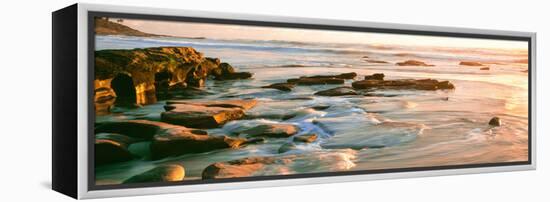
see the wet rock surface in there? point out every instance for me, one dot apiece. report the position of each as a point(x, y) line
point(272, 130)
point(281, 86)
point(413, 63)
point(339, 91)
point(206, 114)
point(162, 173)
point(404, 84)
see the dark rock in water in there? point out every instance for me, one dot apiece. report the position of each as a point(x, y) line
point(163, 173)
point(288, 116)
point(286, 147)
point(242, 167)
point(206, 114)
point(226, 72)
point(255, 140)
point(321, 107)
point(377, 76)
point(470, 63)
point(272, 130)
point(235, 76)
point(377, 61)
point(112, 148)
point(404, 84)
point(281, 86)
point(316, 81)
point(339, 91)
point(350, 75)
point(140, 129)
point(323, 79)
point(484, 68)
point(495, 121)
point(413, 63)
point(176, 143)
point(306, 138)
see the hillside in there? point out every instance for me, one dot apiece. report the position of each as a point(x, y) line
point(105, 27)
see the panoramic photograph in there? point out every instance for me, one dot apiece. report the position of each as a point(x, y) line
point(188, 101)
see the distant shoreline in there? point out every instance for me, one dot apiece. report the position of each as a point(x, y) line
point(104, 27)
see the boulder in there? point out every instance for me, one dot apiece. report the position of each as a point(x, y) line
point(177, 142)
point(307, 138)
point(470, 63)
point(272, 130)
point(413, 63)
point(163, 173)
point(167, 139)
point(495, 121)
point(112, 148)
point(339, 91)
point(404, 84)
point(245, 167)
point(281, 86)
point(205, 114)
point(377, 76)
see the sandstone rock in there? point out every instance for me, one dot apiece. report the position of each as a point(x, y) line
point(377, 76)
point(241, 167)
point(470, 63)
point(272, 130)
point(206, 114)
point(484, 68)
point(413, 63)
point(339, 91)
point(495, 121)
point(307, 138)
point(112, 148)
point(404, 84)
point(140, 129)
point(175, 142)
point(163, 173)
point(281, 86)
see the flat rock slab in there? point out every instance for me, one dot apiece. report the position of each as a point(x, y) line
point(281, 86)
point(404, 84)
point(470, 63)
point(323, 79)
point(163, 173)
point(414, 63)
point(339, 91)
point(242, 167)
point(272, 130)
point(205, 114)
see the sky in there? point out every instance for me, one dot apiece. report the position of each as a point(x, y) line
point(219, 31)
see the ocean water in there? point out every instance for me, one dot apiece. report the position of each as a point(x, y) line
point(401, 129)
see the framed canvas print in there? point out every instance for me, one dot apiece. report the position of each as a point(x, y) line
point(149, 101)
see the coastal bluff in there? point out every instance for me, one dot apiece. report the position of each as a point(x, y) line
point(142, 76)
